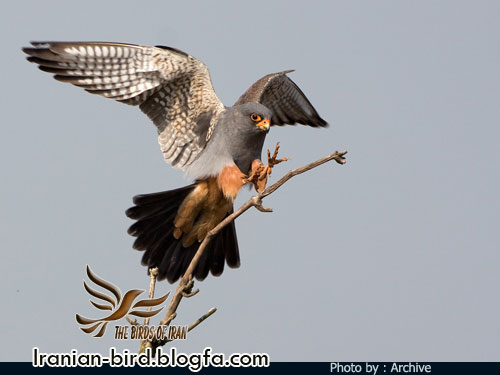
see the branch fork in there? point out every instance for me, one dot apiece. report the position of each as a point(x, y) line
point(185, 286)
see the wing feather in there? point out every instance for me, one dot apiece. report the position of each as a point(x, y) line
point(285, 99)
point(172, 88)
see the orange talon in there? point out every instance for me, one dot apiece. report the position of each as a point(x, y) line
point(272, 161)
point(259, 173)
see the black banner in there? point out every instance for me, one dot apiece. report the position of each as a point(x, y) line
point(370, 368)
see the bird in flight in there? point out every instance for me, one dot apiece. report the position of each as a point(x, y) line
point(219, 147)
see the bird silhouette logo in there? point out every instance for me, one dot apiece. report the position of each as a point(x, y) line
point(118, 306)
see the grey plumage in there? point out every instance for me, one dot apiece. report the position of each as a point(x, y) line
point(235, 140)
point(218, 146)
point(174, 90)
point(284, 98)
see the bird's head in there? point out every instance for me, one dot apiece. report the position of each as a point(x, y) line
point(253, 117)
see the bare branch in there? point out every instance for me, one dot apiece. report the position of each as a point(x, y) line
point(170, 318)
point(201, 319)
point(153, 273)
point(187, 295)
point(337, 156)
point(132, 322)
point(185, 284)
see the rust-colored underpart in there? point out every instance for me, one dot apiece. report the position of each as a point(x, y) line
point(258, 175)
point(207, 205)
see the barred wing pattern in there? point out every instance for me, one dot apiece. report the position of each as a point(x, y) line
point(172, 88)
point(285, 99)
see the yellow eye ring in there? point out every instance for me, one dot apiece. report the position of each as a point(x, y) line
point(255, 117)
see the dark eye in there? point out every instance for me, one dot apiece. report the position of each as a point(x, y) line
point(255, 117)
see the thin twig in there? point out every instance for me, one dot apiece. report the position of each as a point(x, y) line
point(153, 273)
point(202, 318)
point(169, 319)
point(256, 201)
point(187, 295)
point(132, 322)
point(155, 344)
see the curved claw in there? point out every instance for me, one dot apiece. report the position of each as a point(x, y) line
point(254, 175)
point(273, 160)
point(259, 173)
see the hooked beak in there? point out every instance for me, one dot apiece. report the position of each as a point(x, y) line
point(264, 125)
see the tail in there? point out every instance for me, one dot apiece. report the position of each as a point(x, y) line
point(155, 214)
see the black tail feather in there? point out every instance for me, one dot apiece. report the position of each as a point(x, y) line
point(203, 268)
point(155, 214)
point(232, 257)
point(156, 252)
point(217, 264)
point(156, 203)
point(174, 262)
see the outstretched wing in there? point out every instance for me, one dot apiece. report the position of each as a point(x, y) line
point(284, 98)
point(171, 87)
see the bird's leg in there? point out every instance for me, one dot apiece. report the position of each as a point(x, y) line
point(255, 171)
point(188, 288)
point(259, 173)
point(272, 161)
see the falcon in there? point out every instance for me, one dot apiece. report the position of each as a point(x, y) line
point(219, 147)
